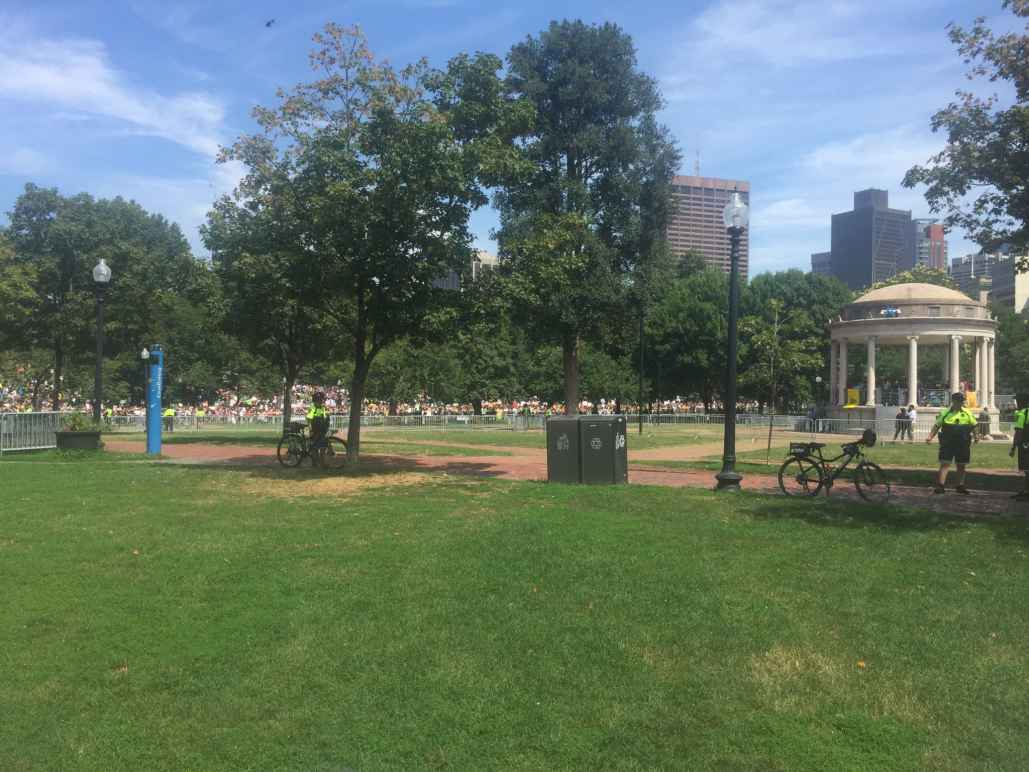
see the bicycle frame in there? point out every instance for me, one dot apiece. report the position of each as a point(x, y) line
point(829, 475)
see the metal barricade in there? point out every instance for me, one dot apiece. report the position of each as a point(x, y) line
point(29, 431)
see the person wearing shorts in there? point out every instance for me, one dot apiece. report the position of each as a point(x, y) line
point(1021, 443)
point(956, 427)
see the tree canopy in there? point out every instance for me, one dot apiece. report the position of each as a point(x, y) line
point(979, 179)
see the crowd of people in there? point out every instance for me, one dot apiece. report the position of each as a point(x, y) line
point(18, 397)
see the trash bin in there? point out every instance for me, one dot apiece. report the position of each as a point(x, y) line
point(587, 449)
point(563, 449)
point(604, 457)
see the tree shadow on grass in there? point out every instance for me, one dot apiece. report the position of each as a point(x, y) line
point(369, 466)
point(1008, 522)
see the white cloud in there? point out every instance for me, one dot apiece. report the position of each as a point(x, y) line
point(76, 76)
point(25, 162)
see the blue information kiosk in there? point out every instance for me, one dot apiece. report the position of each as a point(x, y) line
point(155, 382)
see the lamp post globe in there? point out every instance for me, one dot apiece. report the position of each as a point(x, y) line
point(735, 215)
point(101, 278)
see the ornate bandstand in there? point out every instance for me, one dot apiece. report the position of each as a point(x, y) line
point(913, 316)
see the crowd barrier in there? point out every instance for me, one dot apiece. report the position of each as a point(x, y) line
point(29, 431)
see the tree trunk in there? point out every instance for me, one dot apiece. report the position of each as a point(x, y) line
point(287, 404)
point(58, 374)
point(570, 351)
point(392, 407)
point(357, 386)
point(477, 406)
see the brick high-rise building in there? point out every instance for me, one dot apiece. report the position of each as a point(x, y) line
point(697, 222)
point(872, 242)
point(930, 243)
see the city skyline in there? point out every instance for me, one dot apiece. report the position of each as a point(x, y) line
point(807, 101)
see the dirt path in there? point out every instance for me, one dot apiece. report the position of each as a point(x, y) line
point(532, 466)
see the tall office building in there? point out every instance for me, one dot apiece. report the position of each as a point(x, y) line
point(872, 242)
point(968, 270)
point(821, 263)
point(697, 222)
point(930, 243)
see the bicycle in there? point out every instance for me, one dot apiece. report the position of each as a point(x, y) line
point(805, 472)
point(296, 445)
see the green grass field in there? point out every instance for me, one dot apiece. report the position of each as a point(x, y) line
point(163, 618)
point(985, 455)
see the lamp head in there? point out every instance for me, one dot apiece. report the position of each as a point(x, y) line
point(145, 354)
point(102, 273)
point(736, 212)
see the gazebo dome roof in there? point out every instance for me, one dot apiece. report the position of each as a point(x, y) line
point(915, 293)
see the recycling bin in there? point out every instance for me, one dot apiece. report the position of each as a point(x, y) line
point(587, 449)
point(602, 443)
point(563, 449)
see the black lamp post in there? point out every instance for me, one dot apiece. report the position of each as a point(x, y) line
point(101, 278)
point(735, 215)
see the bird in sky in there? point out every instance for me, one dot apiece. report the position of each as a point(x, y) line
point(269, 23)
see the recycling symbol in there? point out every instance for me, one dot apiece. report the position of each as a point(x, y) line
point(596, 443)
point(562, 442)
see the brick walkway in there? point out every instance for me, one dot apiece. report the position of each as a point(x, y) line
point(531, 464)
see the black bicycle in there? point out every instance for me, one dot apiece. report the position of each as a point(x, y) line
point(805, 472)
point(296, 445)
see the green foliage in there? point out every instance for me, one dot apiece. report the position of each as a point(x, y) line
point(1012, 349)
point(979, 178)
point(79, 422)
point(920, 274)
point(781, 355)
point(581, 222)
point(357, 197)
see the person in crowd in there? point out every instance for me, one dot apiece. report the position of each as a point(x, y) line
point(900, 423)
point(1021, 443)
point(956, 427)
point(168, 418)
point(910, 423)
point(984, 423)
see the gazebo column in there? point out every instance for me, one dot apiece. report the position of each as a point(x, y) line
point(870, 373)
point(955, 363)
point(834, 347)
point(913, 370)
point(980, 391)
point(842, 383)
point(991, 347)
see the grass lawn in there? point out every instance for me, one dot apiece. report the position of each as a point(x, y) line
point(985, 455)
point(651, 438)
point(159, 617)
point(370, 444)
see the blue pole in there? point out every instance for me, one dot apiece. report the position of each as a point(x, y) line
point(153, 428)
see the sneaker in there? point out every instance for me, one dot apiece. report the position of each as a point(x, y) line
point(962, 490)
point(938, 489)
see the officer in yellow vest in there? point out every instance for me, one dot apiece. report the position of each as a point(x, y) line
point(169, 419)
point(318, 420)
point(1021, 443)
point(956, 427)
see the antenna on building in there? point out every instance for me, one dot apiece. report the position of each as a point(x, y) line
point(696, 165)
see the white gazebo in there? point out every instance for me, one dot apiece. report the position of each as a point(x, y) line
point(915, 316)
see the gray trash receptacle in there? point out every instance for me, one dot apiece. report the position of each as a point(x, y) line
point(602, 440)
point(563, 449)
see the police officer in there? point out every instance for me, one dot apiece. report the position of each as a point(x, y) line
point(169, 418)
point(1021, 443)
point(318, 420)
point(956, 427)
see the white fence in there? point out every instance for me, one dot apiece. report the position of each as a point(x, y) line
point(29, 431)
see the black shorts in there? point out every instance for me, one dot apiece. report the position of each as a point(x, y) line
point(955, 448)
point(1023, 457)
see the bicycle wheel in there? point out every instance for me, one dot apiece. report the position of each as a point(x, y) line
point(290, 451)
point(799, 476)
point(871, 482)
point(334, 455)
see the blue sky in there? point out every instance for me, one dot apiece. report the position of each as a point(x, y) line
point(808, 99)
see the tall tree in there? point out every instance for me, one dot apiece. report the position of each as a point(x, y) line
point(588, 207)
point(362, 182)
point(987, 151)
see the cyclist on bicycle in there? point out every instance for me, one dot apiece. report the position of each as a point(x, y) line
point(318, 420)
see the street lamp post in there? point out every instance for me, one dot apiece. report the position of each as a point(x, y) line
point(735, 217)
point(101, 278)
